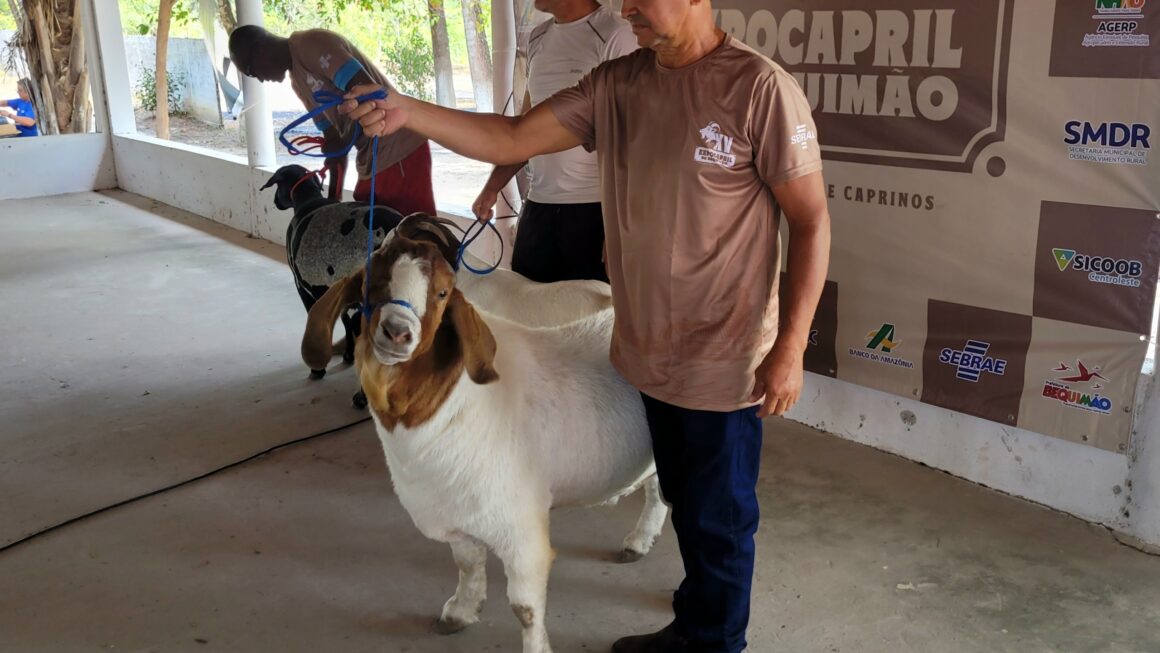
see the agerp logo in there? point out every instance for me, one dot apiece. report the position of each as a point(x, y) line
point(1120, 6)
point(972, 360)
point(1100, 269)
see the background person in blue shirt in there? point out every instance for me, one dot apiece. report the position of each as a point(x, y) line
point(21, 110)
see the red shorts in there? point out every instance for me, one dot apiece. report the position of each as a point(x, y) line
point(404, 186)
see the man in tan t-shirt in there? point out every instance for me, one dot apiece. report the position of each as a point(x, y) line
point(320, 60)
point(700, 140)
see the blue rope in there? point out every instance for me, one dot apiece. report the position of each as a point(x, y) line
point(367, 309)
point(326, 101)
point(469, 238)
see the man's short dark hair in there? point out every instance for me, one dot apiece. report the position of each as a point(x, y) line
point(244, 38)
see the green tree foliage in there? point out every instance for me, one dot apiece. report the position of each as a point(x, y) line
point(395, 34)
point(7, 22)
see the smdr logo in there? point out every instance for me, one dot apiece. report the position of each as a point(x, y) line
point(972, 360)
point(1108, 142)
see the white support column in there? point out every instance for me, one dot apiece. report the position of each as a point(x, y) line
point(112, 97)
point(1144, 477)
point(259, 120)
point(503, 39)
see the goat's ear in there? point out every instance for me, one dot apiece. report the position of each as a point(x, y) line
point(475, 339)
point(316, 341)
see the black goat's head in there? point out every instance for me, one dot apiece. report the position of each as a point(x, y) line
point(286, 178)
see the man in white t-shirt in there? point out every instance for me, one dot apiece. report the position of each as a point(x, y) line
point(560, 234)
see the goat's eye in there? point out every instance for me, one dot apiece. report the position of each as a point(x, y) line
point(442, 294)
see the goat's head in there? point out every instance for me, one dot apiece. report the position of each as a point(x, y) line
point(424, 227)
point(416, 312)
point(291, 180)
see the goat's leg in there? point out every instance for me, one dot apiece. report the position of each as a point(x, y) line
point(463, 609)
point(348, 344)
point(648, 526)
point(528, 562)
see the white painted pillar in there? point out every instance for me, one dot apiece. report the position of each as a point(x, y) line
point(503, 40)
point(1144, 474)
point(112, 94)
point(259, 120)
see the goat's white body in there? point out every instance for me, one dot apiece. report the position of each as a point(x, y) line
point(560, 427)
point(513, 296)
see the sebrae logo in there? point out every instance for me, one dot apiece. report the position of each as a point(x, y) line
point(881, 340)
point(1100, 269)
point(802, 135)
point(1061, 388)
point(880, 79)
point(972, 361)
point(720, 147)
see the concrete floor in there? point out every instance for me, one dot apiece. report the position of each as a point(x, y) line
point(307, 549)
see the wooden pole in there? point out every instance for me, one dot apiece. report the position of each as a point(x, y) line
point(161, 78)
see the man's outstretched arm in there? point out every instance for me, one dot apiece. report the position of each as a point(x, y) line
point(481, 136)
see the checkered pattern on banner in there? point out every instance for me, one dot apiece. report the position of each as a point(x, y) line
point(995, 200)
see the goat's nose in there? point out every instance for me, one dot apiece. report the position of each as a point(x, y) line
point(398, 333)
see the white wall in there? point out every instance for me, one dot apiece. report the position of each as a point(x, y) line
point(221, 187)
point(1071, 477)
point(1144, 483)
point(53, 165)
point(188, 58)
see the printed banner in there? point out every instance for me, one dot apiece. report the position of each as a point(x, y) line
point(996, 207)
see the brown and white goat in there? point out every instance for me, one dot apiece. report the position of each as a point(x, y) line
point(487, 424)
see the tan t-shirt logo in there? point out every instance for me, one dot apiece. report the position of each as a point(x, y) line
point(720, 150)
point(802, 136)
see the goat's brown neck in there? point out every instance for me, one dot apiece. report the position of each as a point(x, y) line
point(410, 393)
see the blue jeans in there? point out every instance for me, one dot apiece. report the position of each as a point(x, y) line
point(707, 464)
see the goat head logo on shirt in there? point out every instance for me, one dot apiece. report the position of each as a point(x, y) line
point(720, 147)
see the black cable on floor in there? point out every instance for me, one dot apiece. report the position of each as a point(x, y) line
point(199, 477)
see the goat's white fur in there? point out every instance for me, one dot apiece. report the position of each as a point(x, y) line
point(560, 427)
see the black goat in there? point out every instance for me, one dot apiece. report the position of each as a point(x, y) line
point(326, 240)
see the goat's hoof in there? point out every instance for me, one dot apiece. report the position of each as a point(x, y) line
point(359, 400)
point(317, 374)
point(449, 626)
point(347, 358)
point(627, 556)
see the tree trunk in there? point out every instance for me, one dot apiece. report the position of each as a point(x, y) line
point(51, 38)
point(478, 53)
point(225, 11)
point(441, 47)
point(161, 77)
point(47, 113)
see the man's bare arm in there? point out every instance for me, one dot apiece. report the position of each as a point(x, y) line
point(803, 203)
point(502, 174)
point(779, 378)
point(481, 136)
